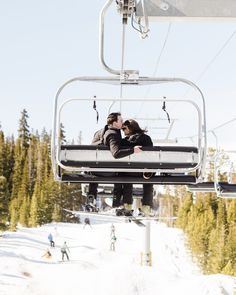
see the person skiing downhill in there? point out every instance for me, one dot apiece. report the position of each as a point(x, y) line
point(113, 241)
point(64, 249)
point(47, 254)
point(50, 238)
point(112, 229)
point(87, 222)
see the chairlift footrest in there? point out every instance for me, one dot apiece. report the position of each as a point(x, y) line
point(162, 180)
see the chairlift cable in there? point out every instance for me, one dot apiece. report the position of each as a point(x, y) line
point(162, 50)
point(216, 55)
point(158, 60)
point(212, 60)
point(211, 131)
point(160, 55)
point(223, 124)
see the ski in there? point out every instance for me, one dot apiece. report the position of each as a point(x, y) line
point(136, 221)
point(106, 216)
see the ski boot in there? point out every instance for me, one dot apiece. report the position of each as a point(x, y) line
point(120, 211)
point(90, 205)
point(145, 211)
point(124, 212)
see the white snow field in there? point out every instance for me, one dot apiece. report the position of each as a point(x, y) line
point(95, 270)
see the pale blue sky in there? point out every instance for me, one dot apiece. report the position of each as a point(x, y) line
point(45, 43)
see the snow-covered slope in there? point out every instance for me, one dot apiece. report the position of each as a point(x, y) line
point(94, 269)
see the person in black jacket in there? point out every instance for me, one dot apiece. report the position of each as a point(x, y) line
point(112, 138)
point(110, 135)
point(134, 135)
point(93, 187)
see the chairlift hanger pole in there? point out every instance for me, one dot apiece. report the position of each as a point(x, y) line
point(124, 11)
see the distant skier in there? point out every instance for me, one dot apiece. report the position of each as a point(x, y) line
point(50, 238)
point(64, 249)
point(55, 231)
point(47, 254)
point(87, 222)
point(113, 241)
point(112, 230)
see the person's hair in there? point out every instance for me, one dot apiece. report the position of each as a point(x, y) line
point(133, 126)
point(112, 117)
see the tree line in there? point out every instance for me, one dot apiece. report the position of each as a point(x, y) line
point(28, 193)
point(29, 196)
point(210, 226)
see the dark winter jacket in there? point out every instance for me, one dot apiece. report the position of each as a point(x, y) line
point(137, 139)
point(112, 138)
point(143, 140)
point(98, 136)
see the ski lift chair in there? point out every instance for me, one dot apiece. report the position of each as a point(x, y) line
point(226, 190)
point(205, 186)
point(171, 164)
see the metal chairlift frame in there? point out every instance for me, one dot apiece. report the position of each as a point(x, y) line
point(56, 144)
point(127, 77)
point(225, 190)
point(205, 186)
point(166, 139)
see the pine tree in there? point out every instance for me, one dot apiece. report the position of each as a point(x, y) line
point(44, 136)
point(216, 249)
point(54, 195)
point(46, 202)
point(56, 215)
point(231, 212)
point(16, 180)
point(23, 130)
point(200, 224)
point(32, 161)
point(229, 269)
point(14, 215)
point(20, 157)
point(184, 210)
point(34, 207)
point(2, 152)
point(3, 202)
point(9, 163)
point(24, 211)
point(23, 196)
point(230, 248)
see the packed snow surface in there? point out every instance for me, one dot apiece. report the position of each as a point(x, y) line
point(94, 269)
